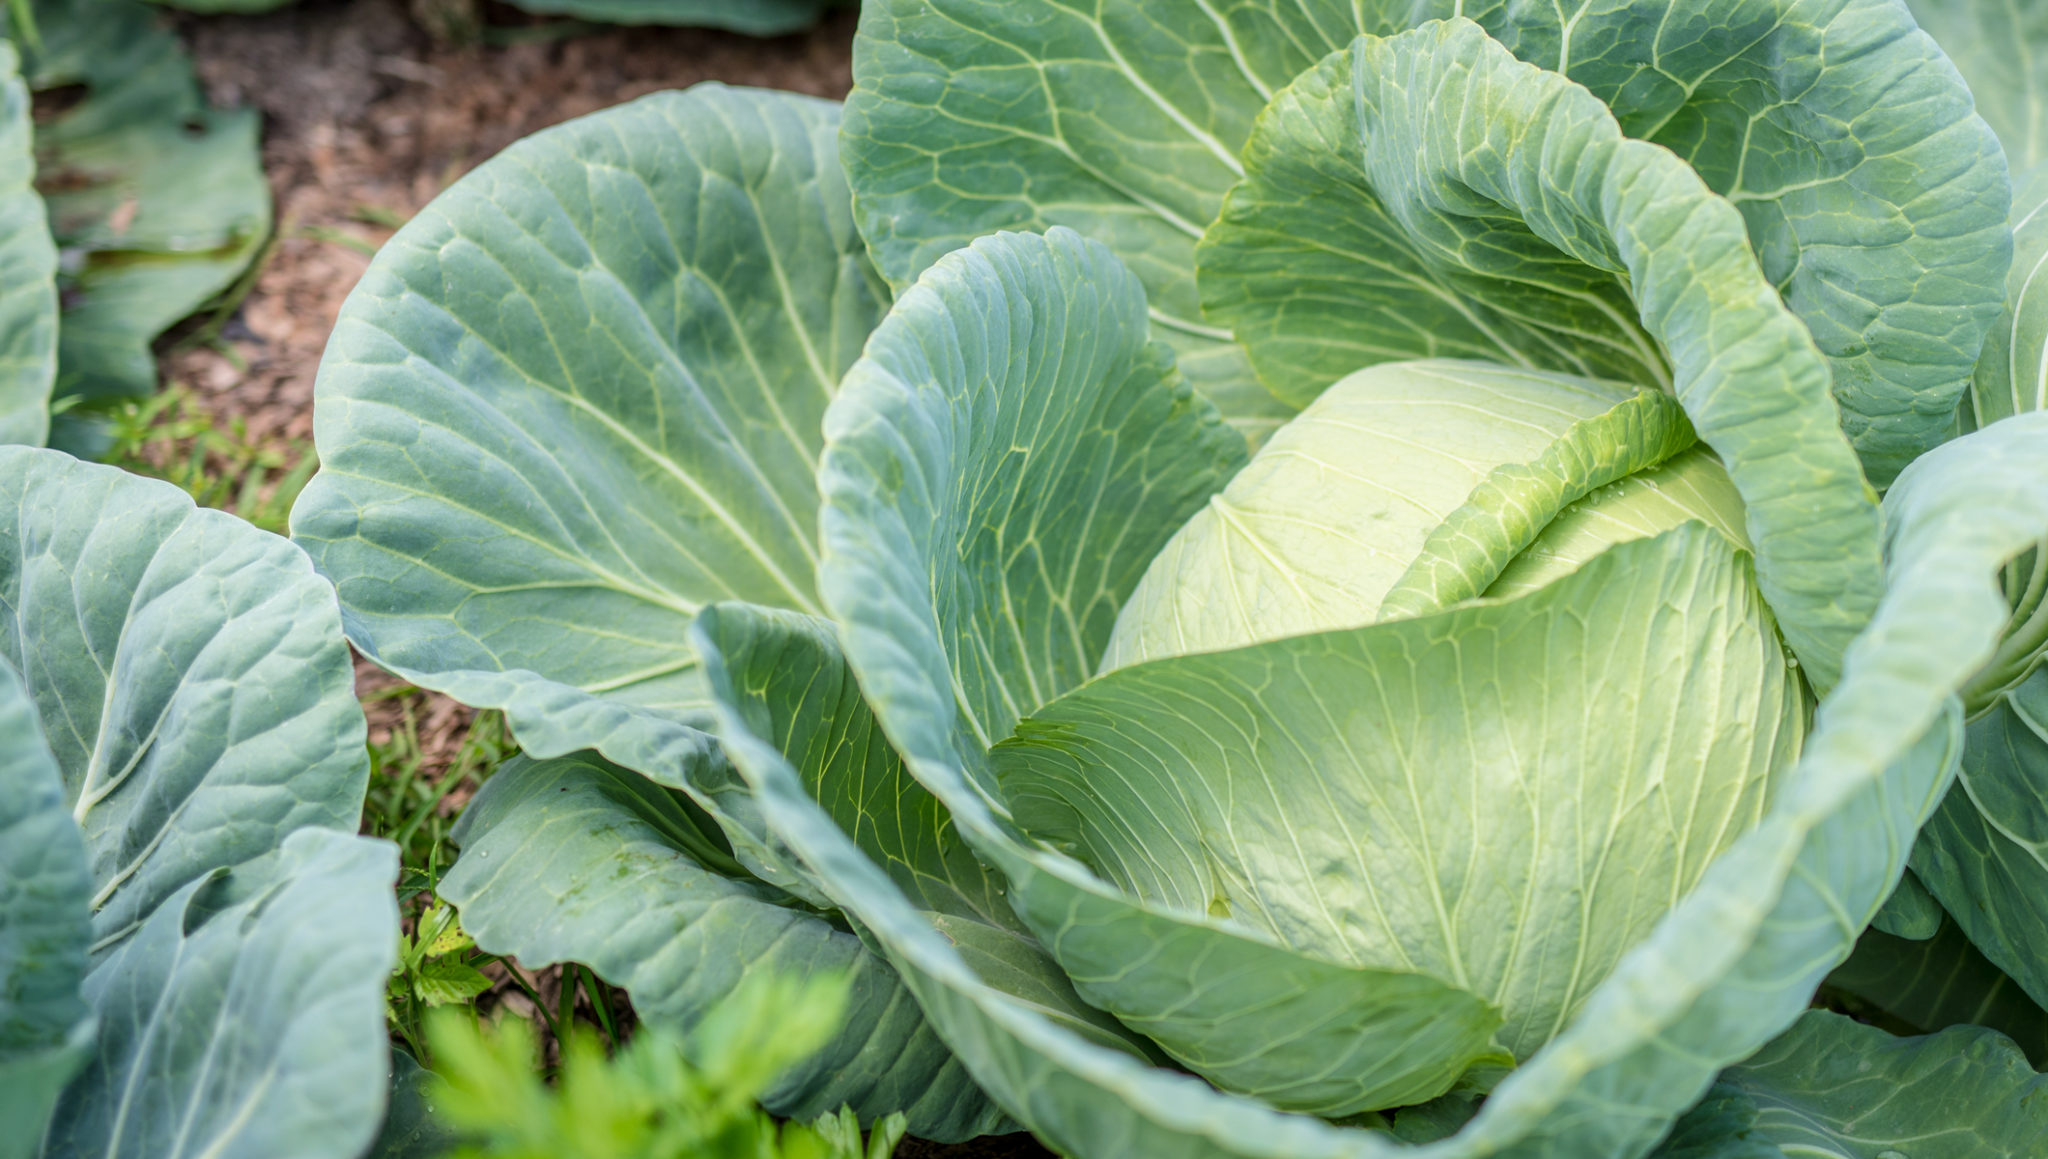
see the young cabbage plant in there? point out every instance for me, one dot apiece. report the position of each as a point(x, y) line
point(192, 940)
point(1448, 774)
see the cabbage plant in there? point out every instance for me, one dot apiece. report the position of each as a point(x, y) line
point(193, 942)
point(1268, 583)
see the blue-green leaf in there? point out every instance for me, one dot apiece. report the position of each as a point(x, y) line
point(1831, 1088)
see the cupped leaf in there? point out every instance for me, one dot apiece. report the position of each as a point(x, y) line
point(189, 673)
point(1831, 1087)
point(1594, 245)
point(1934, 983)
point(1127, 120)
point(1398, 796)
point(28, 271)
point(158, 201)
point(576, 859)
point(248, 1028)
point(577, 398)
point(989, 506)
point(1404, 488)
point(46, 1029)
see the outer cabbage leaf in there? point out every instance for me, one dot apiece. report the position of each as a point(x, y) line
point(2001, 48)
point(1937, 982)
point(1421, 795)
point(577, 398)
point(246, 1029)
point(1985, 854)
point(46, 1030)
point(157, 201)
point(1568, 219)
point(1126, 120)
point(28, 272)
point(922, 487)
point(576, 859)
point(188, 669)
point(197, 702)
point(1831, 1088)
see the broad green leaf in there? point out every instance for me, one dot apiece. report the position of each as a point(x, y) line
point(576, 859)
point(2001, 49)
point(1985, 853)
point(577, 398)
point(753, 17)
point(1831, 1088)
point(1127, 120)
point(157, 201)
point(1546, 221)
point(1935, 983)
point(245, 1029)
point(1402, 489)
point(28, 271)
point(190, 675)
point(46, 1029)
point(923, 484)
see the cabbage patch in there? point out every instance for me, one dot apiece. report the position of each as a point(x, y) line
point(1267, 582)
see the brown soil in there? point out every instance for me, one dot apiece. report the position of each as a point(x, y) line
point(366, 118)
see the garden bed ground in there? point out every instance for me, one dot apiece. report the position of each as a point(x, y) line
point(367, 116)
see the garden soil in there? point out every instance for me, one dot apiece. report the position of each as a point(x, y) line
point(371, 108)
